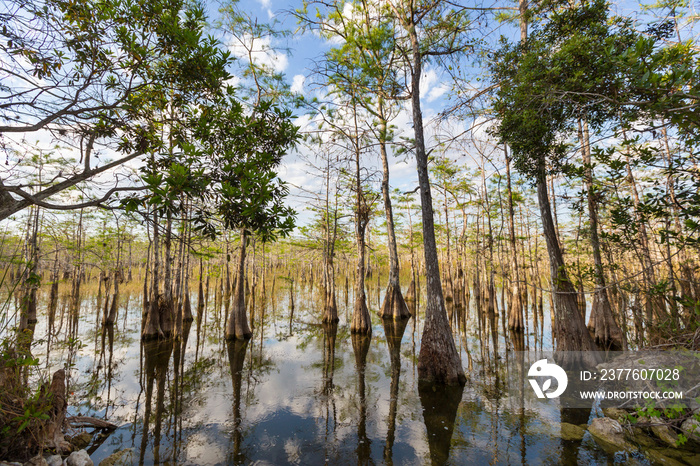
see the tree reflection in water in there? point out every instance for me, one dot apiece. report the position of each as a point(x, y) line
point(236, 358)
point(394, 330)
point(440, 404)
point(156, 356)
point(308, 397)
point(179, 382)
point(107, 343)
point(518, 341)
point(360, 346)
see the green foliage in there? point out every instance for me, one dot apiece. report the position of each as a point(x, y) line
point(23, 412)
point(547, 82)
point(242, 153)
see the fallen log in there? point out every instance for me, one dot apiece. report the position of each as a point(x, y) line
point(82, 422)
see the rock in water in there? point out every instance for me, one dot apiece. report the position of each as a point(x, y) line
point(663, 431)
point(81, 440)
point(54, 460)
point(618, 414)
point(36, 461)
point(609, 431)
point(118, 458)
point(571, 432)
point(79, 458)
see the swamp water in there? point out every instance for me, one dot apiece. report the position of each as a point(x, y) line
point(303, 393)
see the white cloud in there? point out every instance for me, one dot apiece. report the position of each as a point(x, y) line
point(427, 81)
point(260, 51)
point(430, 86)
point(266, 4)
point(437, 92)
point(298, 83)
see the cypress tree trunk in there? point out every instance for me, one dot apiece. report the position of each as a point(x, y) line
point(187, 303)
point(361, 322)
point(111, 316)
point(394, 305)
point(237, 324)
point(151, 327)
point(515, 308)
point(410, 297)
point(448, 289)
point(330, 314)
point(438, 360)
point(605, 330)
point(573, 339)
point(166, 305)
point(360, 318)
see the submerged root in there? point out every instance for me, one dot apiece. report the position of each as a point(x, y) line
point(361, 322)
point(604, 330)
point(438, 361)
point(411, 292)
point(394, 306)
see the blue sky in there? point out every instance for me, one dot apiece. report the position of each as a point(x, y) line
point(297, 65)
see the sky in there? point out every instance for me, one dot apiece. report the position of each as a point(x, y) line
point(295, 56)
point(297, 64)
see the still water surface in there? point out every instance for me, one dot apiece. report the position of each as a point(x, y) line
point(302, 393)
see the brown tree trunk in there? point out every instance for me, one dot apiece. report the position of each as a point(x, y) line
point(167, 305)
point(186, 303)
point(330, 313)
point(151, 326)
point(438, 360)
point(605, 330)
point(515, 308)
point(114, 306)
point(53, 434)
point(361, 322)
point(411, 295)
point(237, 326)
point(573, 339)
point(394, 305)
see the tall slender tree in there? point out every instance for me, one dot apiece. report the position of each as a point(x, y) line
point(430, 29)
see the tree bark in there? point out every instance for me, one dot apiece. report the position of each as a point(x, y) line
point(167, 305)
point(361, 322)
point(330, 313)
point(237, 326)
point(151, 327)
point(574, 343)
point(605, 330)
point(53, 435)
point(394, 305)
point(515, 308)
point(438, 360)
